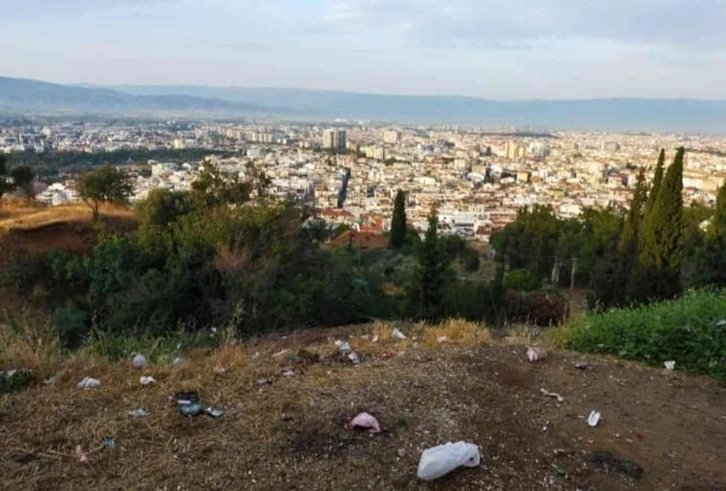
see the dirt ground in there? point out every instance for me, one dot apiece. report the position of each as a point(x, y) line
point(290, 434)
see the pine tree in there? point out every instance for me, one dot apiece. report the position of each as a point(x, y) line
point(398, 222)
point(657, 180)
point(661, 236)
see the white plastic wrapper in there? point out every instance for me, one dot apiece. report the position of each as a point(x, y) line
point(438, 461)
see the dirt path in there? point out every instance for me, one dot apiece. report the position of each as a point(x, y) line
point(290, 434)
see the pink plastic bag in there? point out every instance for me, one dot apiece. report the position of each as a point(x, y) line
point(365, 421)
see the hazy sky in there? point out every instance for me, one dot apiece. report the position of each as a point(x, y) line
point(499, 49)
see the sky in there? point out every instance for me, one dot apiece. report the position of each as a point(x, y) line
point(494, 49)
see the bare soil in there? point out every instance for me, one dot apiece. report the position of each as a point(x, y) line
point(290, 434)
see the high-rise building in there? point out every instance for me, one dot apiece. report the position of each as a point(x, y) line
point(391, 136)
point(336, 139)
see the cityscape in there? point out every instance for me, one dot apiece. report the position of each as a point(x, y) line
point(477, 178)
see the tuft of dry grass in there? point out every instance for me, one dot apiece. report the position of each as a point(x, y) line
point(456, 331)
point(27, 342)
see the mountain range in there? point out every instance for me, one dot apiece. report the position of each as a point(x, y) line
point(690, 115)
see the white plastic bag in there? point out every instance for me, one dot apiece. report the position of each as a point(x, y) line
point(398, 334)
point(139, 361)
point(439, 461)
point(89, 383)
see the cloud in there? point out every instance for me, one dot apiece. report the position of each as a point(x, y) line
point(497, 23)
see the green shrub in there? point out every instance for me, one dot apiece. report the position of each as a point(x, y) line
point(72, 324)
point(690, 330)
point(522, 280)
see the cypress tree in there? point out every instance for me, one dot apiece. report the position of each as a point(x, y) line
point(712, 266)
point(430, 276)
point(629, 237)
point(657, 180)
point(661, 236)
point(398, 222)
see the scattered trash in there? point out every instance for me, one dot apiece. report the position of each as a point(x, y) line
point(582, 365)
point(14, 380)
point(109, 443)
point(138, 413)
point(593, 419)
point(608, 460)
point(343, 346)
point(89, 383)
point(534, 354)
point(81, 455)
point(214, 413)
point(288, 373)
point(721, 323)
point(177, 361)
point(398, 334)
point(442, 339)
point(354, 358)
point(139, 361)
point(219, 369)
point(389, 354)
point(189, 403)
point(670, 365)
point(552, 394)
point(264, 381)
point(147, 380)
point(375, 339)
point(365, 421)
point(280, 353)
point(54, 379)
point(439, 461)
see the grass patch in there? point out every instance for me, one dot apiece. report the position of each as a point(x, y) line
point(690, 330)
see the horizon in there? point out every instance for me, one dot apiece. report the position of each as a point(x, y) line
point(503, 51)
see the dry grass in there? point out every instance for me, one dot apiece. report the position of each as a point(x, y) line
point(25, 341)
point(41, 216)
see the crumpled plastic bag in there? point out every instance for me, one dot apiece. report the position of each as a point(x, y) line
point(139, 361)
point(365, 421)
point(438, 461)
point(89, 383)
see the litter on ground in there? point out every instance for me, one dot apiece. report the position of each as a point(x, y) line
point(593, 419)
point(89, 383)
point(354, 358)
point(534, 354)
point(343, 346)
point(552, 394)
point(438, 461)
point(398, 334)
point(138, 413)
point(365, 421)
point(147, 380)
point(670, 365)
point(139, 361)
point(81, 455)
point(214, 413)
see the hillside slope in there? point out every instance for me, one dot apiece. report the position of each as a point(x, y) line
point(289, 433)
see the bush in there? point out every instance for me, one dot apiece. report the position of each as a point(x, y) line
point(72, 325)
point(522, 280)
point(690, 330)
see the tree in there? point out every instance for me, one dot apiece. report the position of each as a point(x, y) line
point(432, 265)
point(398, 222)
point(23, 177)
point(212, 188)
point(657, 180)
point(629, 238)
point(661, 236)
point(105, 185)
point(163, 207)
point(5, 185)
point(712, 260)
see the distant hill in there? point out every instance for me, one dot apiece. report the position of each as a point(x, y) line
point(614, 114)
point(682, 115)
point(35, 97)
